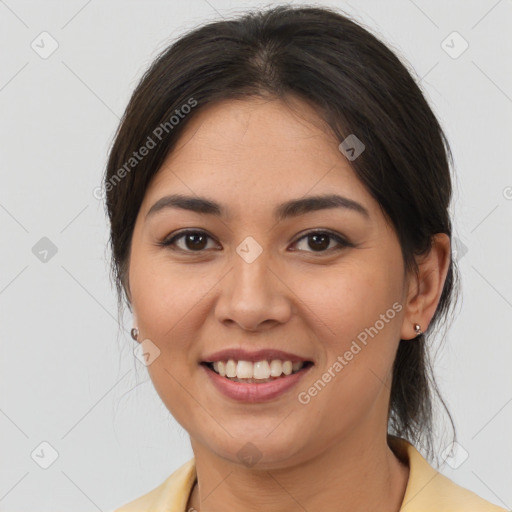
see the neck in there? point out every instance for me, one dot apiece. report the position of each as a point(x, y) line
point(360, 473)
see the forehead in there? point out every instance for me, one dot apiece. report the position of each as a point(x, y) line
point(254, 127)
point(256, 148)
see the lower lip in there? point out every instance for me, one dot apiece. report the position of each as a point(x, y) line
point(253, 392)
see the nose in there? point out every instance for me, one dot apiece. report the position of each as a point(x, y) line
point(253, 296)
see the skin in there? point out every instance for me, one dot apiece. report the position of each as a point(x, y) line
point(329, 454)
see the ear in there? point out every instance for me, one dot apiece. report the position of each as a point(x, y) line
point(423, 290)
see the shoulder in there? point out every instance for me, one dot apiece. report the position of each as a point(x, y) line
point(445, 495)
point(170, 496)
point(429, 490)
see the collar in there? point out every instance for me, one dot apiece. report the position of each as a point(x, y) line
point(427, 490)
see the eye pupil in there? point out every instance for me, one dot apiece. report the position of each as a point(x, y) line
point(197, 241)
point(324, 244)
point(195, 245)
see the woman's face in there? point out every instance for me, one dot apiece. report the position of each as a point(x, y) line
point(249, 280)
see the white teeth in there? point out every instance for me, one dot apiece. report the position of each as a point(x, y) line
point(296, 366)
point(231, 368)
point(244, 370)
point(260, 370)
point(276, 368)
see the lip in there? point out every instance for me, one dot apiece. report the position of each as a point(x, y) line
point(239, 354)
point(254, 392)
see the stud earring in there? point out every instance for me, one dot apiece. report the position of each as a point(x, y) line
point(418, 330)
point(135, 333)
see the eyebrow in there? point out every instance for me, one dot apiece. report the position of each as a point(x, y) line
point(283, 211)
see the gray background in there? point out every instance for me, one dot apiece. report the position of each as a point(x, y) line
point(69, 380)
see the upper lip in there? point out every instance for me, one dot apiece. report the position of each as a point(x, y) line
point(239, 354)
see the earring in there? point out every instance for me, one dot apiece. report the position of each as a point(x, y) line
point(135, 333)
point(418, 330)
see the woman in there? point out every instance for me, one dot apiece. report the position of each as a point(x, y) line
point(278, 192)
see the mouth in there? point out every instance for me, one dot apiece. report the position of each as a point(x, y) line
point(257, 372)
point(259, 376)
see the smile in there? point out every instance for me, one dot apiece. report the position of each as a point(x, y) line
point(257, 372)
point(254, 375)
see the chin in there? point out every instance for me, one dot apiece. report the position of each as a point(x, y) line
point(262, 452)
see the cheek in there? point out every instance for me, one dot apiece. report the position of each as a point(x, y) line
point(168, 306)
point(359, 329)
point(171, 303)
point(356, 314)
point(162, 293)
point(349, 298)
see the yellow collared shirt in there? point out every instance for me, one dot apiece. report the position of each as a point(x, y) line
point(427, 490)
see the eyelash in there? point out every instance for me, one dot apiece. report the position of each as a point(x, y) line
point(168, 243)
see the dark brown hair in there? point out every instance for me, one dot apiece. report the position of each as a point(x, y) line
point(357, 86)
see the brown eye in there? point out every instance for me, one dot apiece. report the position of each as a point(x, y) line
point(320, 241)
point(197, 241)
point(193, 241)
